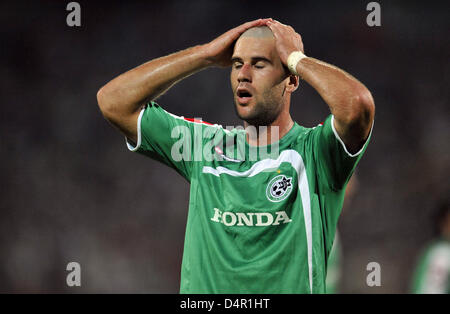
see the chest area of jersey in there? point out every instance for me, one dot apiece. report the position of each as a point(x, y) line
point(261, 185)
point(265, 191)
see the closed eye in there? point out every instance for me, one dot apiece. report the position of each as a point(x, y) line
point(260, 64)
point(237, 64)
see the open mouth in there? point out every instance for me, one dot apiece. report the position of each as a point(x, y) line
point(243, 96)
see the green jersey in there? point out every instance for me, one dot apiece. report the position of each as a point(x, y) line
point(334, 270)
point(258, 221)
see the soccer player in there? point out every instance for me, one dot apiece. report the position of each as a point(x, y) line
point(258, 222)
point(432, 272)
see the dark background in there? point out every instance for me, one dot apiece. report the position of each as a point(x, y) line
point(70, 190)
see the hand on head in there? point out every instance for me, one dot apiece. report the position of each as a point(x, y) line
point(219, 51)
point(287, 39)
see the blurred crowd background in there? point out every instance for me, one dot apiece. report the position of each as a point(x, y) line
point(71, 191)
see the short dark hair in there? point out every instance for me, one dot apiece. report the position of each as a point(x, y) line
point(440, 214)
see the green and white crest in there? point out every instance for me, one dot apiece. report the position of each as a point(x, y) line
point(279, 188)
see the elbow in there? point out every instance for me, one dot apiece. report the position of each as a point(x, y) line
point(104, 103)
point(367, 102)
point(367, 106)
point(363, 108)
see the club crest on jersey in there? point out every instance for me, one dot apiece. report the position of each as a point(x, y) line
point(279, 188)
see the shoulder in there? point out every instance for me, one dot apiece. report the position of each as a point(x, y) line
point(303, 135)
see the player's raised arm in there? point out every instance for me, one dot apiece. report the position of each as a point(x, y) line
point(349, 100)
point(121, 99)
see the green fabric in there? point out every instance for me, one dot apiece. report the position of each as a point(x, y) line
point(334, 267)
point(432, 273)
point(254, 226)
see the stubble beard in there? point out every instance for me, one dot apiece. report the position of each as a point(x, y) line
point(262, 113)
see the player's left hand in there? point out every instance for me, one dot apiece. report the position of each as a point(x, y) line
point(287, 40)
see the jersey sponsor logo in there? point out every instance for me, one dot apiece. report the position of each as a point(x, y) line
point(250, 219)
point(279, 188)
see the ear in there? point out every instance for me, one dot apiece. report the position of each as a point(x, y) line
point(292, 83)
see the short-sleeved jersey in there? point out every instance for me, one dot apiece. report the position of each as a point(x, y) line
point(260, 220)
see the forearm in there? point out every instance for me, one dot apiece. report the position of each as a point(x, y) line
point(347, 98)
point(125, 94)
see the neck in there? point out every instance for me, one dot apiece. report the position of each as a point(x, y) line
point(273, 132)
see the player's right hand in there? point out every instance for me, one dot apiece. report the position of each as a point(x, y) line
point(219, 51)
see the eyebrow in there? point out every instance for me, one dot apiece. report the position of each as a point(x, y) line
point(254, 59)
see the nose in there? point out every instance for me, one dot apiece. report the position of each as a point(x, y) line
point(245, 74)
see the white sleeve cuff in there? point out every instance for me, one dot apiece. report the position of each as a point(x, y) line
point(139, 136)
point(342, 142)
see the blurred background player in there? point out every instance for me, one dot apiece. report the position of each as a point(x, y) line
point(433, 268)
